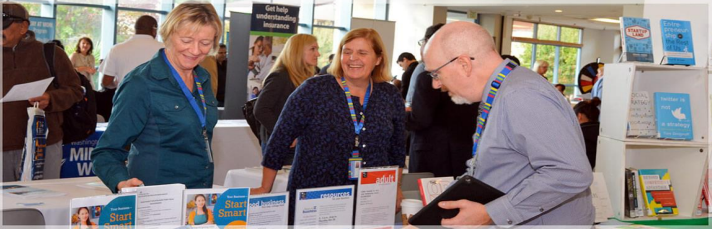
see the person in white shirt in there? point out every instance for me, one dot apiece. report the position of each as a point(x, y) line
point(266, 59)
point(124, 57)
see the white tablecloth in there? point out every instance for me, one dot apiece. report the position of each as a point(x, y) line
point(252, 177)
point(56, 209)
point(234, 147)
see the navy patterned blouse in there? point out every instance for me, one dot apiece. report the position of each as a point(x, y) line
point(317, 114)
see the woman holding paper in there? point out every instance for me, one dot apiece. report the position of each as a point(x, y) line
point(336, 132)
point(165, 110)
point(84, 222)
point(201, 214)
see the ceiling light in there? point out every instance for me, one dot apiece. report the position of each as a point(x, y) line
point(607, 20)
point(558, 11)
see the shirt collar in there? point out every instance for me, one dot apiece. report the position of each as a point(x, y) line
point(160, 70)
point(492, 77)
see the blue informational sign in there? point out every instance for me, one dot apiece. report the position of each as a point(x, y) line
point(231, 208)
point(43, 28)
point(76, 158)
point(274, 18)
point(677, 42)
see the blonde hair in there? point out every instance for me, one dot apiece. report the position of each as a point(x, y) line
point(539, 63)
point(195, 15)
point(292, 59)
point(380, 72)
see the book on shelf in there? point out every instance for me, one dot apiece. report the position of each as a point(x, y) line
point(641, 119)
point(430, 188)
point(673, 115)
point(631, 205)
point(640, 208)
point(677, 42)
point(658, 192)
point(635, 39)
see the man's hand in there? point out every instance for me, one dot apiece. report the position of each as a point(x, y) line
point(133, 182)
point(43, 100)
point(471, 213)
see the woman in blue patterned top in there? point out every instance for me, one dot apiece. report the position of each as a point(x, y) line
point(317, 113)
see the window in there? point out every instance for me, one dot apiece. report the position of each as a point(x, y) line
point(78, 22)
point(324, 10)
point(325, 39)
point(142, 4)
point(34, 9)
point(560, 46)
point(125, 23)
point(458, 16)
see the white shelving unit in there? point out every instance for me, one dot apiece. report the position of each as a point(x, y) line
point(685, 160)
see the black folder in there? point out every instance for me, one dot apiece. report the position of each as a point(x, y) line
point(467, 188)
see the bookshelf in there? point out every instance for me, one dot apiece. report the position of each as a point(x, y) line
point(685, 160)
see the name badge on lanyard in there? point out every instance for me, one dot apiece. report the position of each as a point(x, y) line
point(189, 96)
point(355, 161)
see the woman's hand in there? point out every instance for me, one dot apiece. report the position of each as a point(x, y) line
point(294, 144)
point(133, 182)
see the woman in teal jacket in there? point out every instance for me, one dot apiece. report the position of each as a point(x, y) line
point(165, 110)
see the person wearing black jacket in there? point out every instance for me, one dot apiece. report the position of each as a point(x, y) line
point(441, 131)
point(408, 62)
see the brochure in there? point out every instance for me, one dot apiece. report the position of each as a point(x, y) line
point(215, 208)
point(158, 205)
point(326, 206)
point(376, 196)
point(269, 211)
point(110, 211)
point(28, 192)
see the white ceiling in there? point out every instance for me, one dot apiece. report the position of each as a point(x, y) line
point(577, 15)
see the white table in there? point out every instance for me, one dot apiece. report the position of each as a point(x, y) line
point(234, 147)
point(252, 177)
point(56, 209)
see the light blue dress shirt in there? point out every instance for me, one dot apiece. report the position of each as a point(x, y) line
point(533, 150)
point(411, 86)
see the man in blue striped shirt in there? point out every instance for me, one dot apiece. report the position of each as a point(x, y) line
point(531, 148)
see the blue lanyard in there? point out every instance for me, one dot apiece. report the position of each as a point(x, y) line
point(494, 87)
point(188, 95)
point(357, 125)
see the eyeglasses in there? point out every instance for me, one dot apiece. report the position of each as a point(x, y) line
point(434, 73)
point(7, 20)
point(421, 42)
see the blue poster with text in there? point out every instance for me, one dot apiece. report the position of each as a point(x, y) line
point(43, 28)
point(76, 157)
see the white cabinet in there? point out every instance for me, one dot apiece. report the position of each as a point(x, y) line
point(685, 160)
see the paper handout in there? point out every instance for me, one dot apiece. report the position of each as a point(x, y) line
point(26, 91)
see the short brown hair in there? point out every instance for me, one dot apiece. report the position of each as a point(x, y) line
point(198, 15)
point(380, 72)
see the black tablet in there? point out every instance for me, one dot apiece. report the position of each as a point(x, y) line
point(467, 188)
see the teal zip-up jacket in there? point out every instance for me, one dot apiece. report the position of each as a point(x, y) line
point(152, 114)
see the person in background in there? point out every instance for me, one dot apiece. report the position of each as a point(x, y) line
point(58, 43)
point(126, 56)
point(84, 222)
point(541, 67)
point(587, 113)
point(327, 127)
point(562, 88)
point(210, 64)
point(221, 59)
point(440, 130)
point(201, 215)
point(531, 147)
point(293, 66)
point(23, 61)
point(407, 62)
point(266, 59)
point(421, 66)
point(165, 110)
point(83, 60)
point(597, 90)
point(324, 69)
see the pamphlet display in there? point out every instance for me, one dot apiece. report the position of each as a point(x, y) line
point(677, 42)
point(327, 206)
point(159, 205)
point(215, 208)
point(636, 42)
point(376, 197)
point(110, 211)
point(268, 211)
